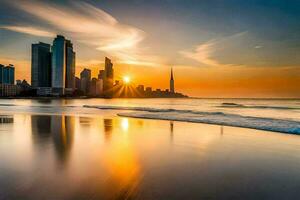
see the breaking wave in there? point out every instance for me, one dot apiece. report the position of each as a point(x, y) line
point(219, 118)
point(235, 105)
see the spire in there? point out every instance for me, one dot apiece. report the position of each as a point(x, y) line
point(172, 90)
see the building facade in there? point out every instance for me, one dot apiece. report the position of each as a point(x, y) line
point(7, 81)
point(85, 80)
point(108, 78)
point(8, 90)
point(59, 65)
point(7, 74)
point(40, 65)
point(70, 66)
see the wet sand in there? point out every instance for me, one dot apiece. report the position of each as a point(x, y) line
point(103, 156)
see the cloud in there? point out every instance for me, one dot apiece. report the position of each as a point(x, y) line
point(84, 23)
point(258, 47)
point(29, 30)
point(204, 53)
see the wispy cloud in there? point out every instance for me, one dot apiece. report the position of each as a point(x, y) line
point(29, 30)
point(204, 53)
point(84, 23)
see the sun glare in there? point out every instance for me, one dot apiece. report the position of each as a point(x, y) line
point(126, 79)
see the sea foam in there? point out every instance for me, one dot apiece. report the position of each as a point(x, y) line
point(219, 118)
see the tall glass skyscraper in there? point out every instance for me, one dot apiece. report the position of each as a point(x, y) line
point(108, 78)
point(59, 64)
point(11, 74)
point(7, 74)
point(1, 73)
point(40, 65)
point(70, 66)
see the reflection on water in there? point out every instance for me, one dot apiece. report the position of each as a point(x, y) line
point(62, 128)
point(171, 130)
point(121, 161)
point(108, 128)
point(58, 128)
point(109, 157)
point(222, 130)
point(4, 119)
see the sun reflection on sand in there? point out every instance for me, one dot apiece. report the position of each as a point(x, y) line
point(122, 164)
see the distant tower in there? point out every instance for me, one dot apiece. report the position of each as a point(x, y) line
point(172, 90)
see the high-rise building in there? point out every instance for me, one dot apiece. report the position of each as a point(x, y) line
point(1, 73)
point(148, 89)
point(70, 66)
point(59, 64)
point(77, 83)
point(109, 77)
point(7, 78)
point(140, 89)
point(85, 79)
point(172, 89)
point(96, 87)
point(101, 74)
point(99, 87)
point(40, 65)
point(11, 74)
point(7, 74)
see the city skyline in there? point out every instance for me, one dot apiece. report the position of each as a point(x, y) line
point(53, 74)
point(215, 51)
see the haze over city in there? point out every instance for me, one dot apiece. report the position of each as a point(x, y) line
point(216, 48)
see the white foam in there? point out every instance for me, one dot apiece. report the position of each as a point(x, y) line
point(220, 118)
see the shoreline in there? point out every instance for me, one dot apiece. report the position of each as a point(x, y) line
point(188, 97)
point(208, 123)
point(86, 97)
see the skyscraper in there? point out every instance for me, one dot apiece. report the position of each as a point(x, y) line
point(172, 89)
point(108, 78)
point(1, 73)
point(11, 74)
point(101, 74)
point(85, 79)
point(70, 66)
point(7, 74)
point(59, 64)
point(7, 81)
point(40, 65)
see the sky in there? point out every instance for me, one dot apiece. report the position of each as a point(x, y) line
point(217, 48)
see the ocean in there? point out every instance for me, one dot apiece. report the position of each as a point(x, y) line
point(119, 149)
point(280, 115)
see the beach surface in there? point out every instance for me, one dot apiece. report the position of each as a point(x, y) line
point(61, 149)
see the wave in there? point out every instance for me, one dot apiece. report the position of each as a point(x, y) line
point(235, 105)
point(146, 109)
point(219, 118)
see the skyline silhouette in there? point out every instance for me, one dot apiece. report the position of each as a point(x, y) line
point(235, 49)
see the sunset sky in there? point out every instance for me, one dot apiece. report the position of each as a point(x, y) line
point(217, 48)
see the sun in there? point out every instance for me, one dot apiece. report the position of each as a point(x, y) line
point(126, 79)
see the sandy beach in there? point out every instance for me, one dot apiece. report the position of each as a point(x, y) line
point(95, 154)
